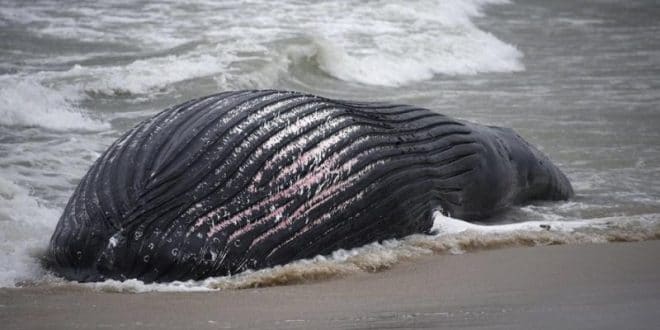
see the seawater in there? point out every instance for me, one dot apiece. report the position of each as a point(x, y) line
point(579, 80)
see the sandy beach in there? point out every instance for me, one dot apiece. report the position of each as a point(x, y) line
point(591, 286)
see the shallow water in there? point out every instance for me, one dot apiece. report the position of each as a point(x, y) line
point(581, 81)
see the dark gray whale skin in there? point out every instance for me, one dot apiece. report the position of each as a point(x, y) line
point(252, 179)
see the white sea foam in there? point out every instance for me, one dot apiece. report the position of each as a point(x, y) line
point(26, 102)
point(414, 42)
point(25, 227)
point(148, 76)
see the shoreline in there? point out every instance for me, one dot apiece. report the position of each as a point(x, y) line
point(599, 286)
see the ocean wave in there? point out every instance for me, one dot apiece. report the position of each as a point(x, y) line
point(391, 69)
point(93, 22)
point(27, 102)
point(392, 46)
point(413, 42)
point(381, 43)
point(146, 76)
point(420, 63)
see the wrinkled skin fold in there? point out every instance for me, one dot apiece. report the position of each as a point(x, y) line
point(252, 179)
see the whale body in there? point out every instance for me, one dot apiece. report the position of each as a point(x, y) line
point(252, 179)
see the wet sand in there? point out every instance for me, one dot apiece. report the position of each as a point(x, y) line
point(593, 286)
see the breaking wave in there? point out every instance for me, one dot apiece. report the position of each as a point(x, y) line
point(26, 102)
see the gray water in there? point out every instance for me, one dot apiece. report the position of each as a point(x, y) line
point(581, 80)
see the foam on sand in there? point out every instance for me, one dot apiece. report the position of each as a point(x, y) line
point(453, 237)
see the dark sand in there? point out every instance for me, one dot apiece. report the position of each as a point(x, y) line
point(596, 286)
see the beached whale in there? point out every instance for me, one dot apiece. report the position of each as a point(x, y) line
point(252, 179)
